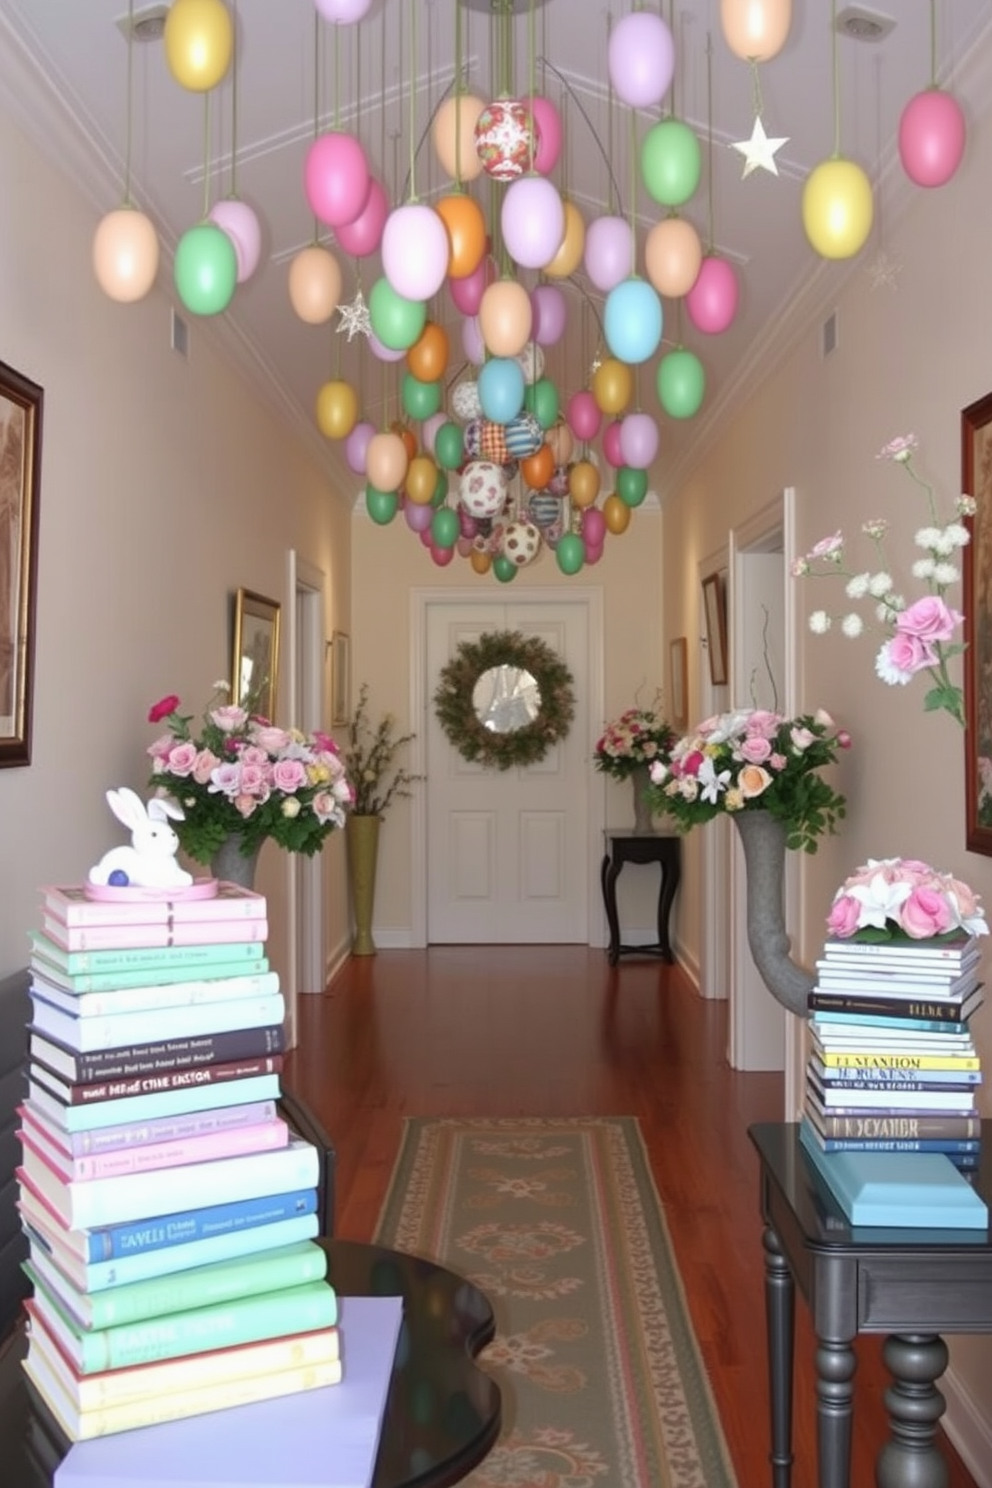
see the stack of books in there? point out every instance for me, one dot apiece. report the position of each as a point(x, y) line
point(893, 1067)
point(170, 1213)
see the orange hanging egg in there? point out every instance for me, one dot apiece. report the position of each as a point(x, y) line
point(583, 483)
point(569, 255)
point(427, 358)
point(480, 561)
point(466, 227)
point(616, 514)
point(538, 468)
point(408, 438)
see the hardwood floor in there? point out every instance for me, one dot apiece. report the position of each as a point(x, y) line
point(554, 1031)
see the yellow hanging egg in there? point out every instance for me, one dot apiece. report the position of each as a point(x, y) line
point(199, 43)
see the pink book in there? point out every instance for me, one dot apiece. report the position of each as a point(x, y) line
point(261, 1138)
point(75, 904)
point(187, 932)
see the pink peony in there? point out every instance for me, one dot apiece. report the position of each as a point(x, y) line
point(162, 709)
point(229, 718)
point(925, 913)
point(755, 751)
point(929, 619)
point(272, 740)
point(763, 725)
point(206, 763)
point(844, 915)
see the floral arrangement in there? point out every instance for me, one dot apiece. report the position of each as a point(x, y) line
point(920, 635)
point(241, 774)
point(638, 737)
point(902, 898)
point(369, 756)
point(754, 761)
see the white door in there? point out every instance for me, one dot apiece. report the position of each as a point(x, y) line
point(507, 850)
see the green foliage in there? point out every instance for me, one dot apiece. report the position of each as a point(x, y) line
point(369, 757)
point(517, 748)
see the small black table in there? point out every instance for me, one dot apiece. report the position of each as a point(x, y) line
point(442, 1413)
point(912, 1285)
point(637, 847)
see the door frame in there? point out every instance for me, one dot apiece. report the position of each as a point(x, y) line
point(714, 960)
point(420, 700)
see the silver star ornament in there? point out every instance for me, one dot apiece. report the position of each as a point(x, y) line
point(355, 319)
point(759, 151)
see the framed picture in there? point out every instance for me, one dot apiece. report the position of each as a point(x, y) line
point(976, 480)
point(340, 679)
point(21, 403)
point(255, 669)
point(678, 654)
point(715, 614)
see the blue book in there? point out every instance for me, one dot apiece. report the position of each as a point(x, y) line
point(902, 1190)
point(870, 1020)
point(964, 1146)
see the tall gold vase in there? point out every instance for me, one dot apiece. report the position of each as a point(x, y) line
point(362, 841)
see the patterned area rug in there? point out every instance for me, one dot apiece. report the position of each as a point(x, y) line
point(559, 1222)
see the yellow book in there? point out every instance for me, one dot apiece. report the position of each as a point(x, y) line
point(871, 1059)
point(178, 1405)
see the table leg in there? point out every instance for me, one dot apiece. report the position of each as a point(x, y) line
point(666, 895)
point(910, 1458)
point(608, 874)
point(836, 1362)
point(780, 1315)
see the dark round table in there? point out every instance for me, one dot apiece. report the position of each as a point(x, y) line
point(442, 1413)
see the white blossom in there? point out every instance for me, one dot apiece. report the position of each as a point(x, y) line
point(819, 622)
point(857, 585)
point(852, 625)
point(945, 574)
point(928, 537)
point(923, 568)
point(879, 584)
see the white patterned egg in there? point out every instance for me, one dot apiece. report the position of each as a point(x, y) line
point(558, 484)
point(504, 139)
point(483, 488)
point(465, 401)
point(531, 361)
point(472, 439)
point(521, 542)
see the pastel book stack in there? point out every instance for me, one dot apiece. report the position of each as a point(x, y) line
point(171, 1215)
point(893, 1067)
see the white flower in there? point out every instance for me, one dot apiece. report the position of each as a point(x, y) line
point(928, 537)
point(945, 574)
point(222, 686)
point(857, 586)
point(711, 782)
point(880, 900)
point(956, 535)
point(819, 622)
point(879, 585)
point(967, 505)
point(893, 675)
point(923, 568)
point(852, 625)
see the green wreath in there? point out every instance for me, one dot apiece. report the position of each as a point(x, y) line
point(456, 714)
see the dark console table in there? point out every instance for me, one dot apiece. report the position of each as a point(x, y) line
point(633, 847)
point(442, 1413)
point(912, 1285)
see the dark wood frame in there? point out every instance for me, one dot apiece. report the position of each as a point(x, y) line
point(976, 480)
point(678, 652)
point(21, 405)
point(715, 615)
point(255, 614)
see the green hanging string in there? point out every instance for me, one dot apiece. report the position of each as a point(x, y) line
point(130, 83)
point(206, 156)
point(671, 27)
point(833, 33)
point(532, 76)
point(757, 103)
point(316, 100)
point(459, 85)
point(234, 105)
point(633, 193)
point(611, 198)
point(709, 133)
point(933, 43)
point(413, 99)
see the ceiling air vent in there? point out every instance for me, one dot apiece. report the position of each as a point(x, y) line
point(829, 336)
point(863, 25)
point(147, 25)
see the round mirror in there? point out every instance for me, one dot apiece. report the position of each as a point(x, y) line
point(506, 698)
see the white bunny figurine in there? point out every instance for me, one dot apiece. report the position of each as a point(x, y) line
point(150, 861)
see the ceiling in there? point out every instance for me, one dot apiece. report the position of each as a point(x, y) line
point(64, 67)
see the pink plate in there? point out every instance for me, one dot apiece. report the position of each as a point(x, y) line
point(200, 888)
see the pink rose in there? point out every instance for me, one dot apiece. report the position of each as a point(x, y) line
point(229, 718)
point(762, 724)
point(756, 751)
point(269, 738)
point(253, 782)
point(180, 761)
point(909, 654)
point(288, 775)
point(160, 749)
point(925, 913)
point(929, 619)
point(224, 780)
point(842, 920)
point(206, 763)
point(778, 762)
point(246, 805)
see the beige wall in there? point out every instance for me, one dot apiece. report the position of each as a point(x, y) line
point(165, 484)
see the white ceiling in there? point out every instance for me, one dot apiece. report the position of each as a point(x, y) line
point(64, 70)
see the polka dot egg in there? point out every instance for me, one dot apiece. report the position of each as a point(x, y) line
point(521, 542)
point(483, 488)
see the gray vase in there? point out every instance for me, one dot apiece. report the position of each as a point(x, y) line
point(763, 839)
point(231, 865)
point(640, 779)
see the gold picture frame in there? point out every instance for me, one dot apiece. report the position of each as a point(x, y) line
point(255, 665)
point(340, 679)
point(976, 571)
point(715, 613)
point(678, 656)
point(21, 404)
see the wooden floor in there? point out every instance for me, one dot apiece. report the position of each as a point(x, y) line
point(554, 1031)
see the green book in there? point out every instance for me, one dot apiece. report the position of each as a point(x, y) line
point(201, 1286)
point(124, 958)
point(176, 973)
point(298, 1309)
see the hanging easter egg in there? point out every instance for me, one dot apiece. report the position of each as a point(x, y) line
point(570, 554)
point(314, 284)
point(125, 255)
point(505, 318)
point(417, 515)
point(336, 178)
point(504, 139)
point(468, 526)
point(521, 543)
point(592, 552)
point(420, 399)
point(449, 446)
point(632, 321)
point(441, 557)
point(837, 208)
point(480, 560)
point(444, 527)
point(473, 342)
point(440, 488)
point(711, 303)
point(931, 137)
point(501, 389)
point(558, 484)
point(531, 361)
point(482, 488)
point(384, 353)
point(641, 59)
point(364, 235)
point(504, 569)
point(538, 468)
point(533, 221)
point(472, 439)
point(681, 383)
point(242, 226)
point(583, 483)
point(466, 294)
point(396, 320)
point(205, 269)
point(407, 435)
point(421, 480)
point(673, 255)
point(609, 248)
point(492, 442)
point(632, 484)
point(755, 30)
point(584, 415)
point(429, 428)
point(356, 446)
point(415, 251)
point(523, 436)
point(611, 443)
point(381, 506)
point(427, 358)
point(453, 135)
point(543, 508)
point(569, 255)
point(547, 122)
point(593, 526)
point(465, 225)
point(561, 442)
point(465, 402)
point(541, 399)
point(199, 42)
point(386, 461)
point(549, 314)
point(638, 440)
point(343, 12)
point(612, 385)
point(671, 162)
point(616, 514)
point(337, 409)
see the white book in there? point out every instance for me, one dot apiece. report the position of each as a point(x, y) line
point(82, 1204)
point(124, 1029)
point(168, 995)
point(894, 1098)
